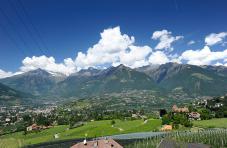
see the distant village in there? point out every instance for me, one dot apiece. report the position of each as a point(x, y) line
point(25, 118)
point(198, 110)
point(13, 116)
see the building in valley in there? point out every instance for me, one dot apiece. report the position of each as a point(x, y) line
point(176, 109)
point(104, 143)
point(194, 116)
point(166, 128)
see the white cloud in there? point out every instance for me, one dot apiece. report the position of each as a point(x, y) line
point(158, 57)
point(136, 56)
point(4, 74)
point(113, 48)
point(215, 38)
point(112, 45)
point(191, 42)
point(174, 58)
point(166, 40)
point(218, 64)
point(48, 63)
point(106, 51)
point(203, 56)
point(116, 48)
point(43, 62)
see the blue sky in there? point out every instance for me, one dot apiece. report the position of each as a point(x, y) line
point(60, 29)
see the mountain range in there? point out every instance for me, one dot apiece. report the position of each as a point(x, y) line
point(166, 78)
point(194, 80)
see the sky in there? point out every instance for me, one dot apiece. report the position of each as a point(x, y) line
point(65, 36)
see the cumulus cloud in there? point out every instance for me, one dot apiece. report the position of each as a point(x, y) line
point(215, 38)
point(106, 51)
point(136, 56)
point(174, 58)
point(166, 39)
point(203, 56)
point(191, 42)
point(48, 64)
point(4, 74)
point(113, 47)
point(158, 57)
point(218, 64)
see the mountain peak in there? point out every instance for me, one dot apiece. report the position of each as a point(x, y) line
point(38, 71)
point(91, 68)
point(91, 71)
point(172, 64)
point(122, 66)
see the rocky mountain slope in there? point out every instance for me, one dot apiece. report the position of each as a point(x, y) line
point(166, 78)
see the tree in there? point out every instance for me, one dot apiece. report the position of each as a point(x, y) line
point(205, 114)
point(191, 108)
point(27, 119)
point(219, 114)
point(187, 123)
point(62, 121)
point(112, 122)
point(175, 125)
point(166, 119)
point(179, 118)
point(182, 119)
point(162, 112)
point(42, 120)
point(225, 113)
point(142, 112)
point(73, 120)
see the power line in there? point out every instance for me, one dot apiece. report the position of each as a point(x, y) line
point(18, 33)
point(12, 39)
point(33, 25)
point(26, 26)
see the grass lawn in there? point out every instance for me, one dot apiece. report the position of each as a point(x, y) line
point(10, 142)
point(92, 129)
point(213, 123)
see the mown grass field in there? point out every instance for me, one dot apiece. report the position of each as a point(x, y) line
point(213, 123)
point(91, 129)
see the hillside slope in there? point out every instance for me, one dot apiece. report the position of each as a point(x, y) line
point(194, 80)
point(113, 79)
point(36, 82)
point(9, 96)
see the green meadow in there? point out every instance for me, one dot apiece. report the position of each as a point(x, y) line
point(95, 129)
point(212, 123)
point(91, 129)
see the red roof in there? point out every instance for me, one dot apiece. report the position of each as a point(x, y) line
point(110, 143)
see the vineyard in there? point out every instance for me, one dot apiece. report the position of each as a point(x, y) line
point(217, 138)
